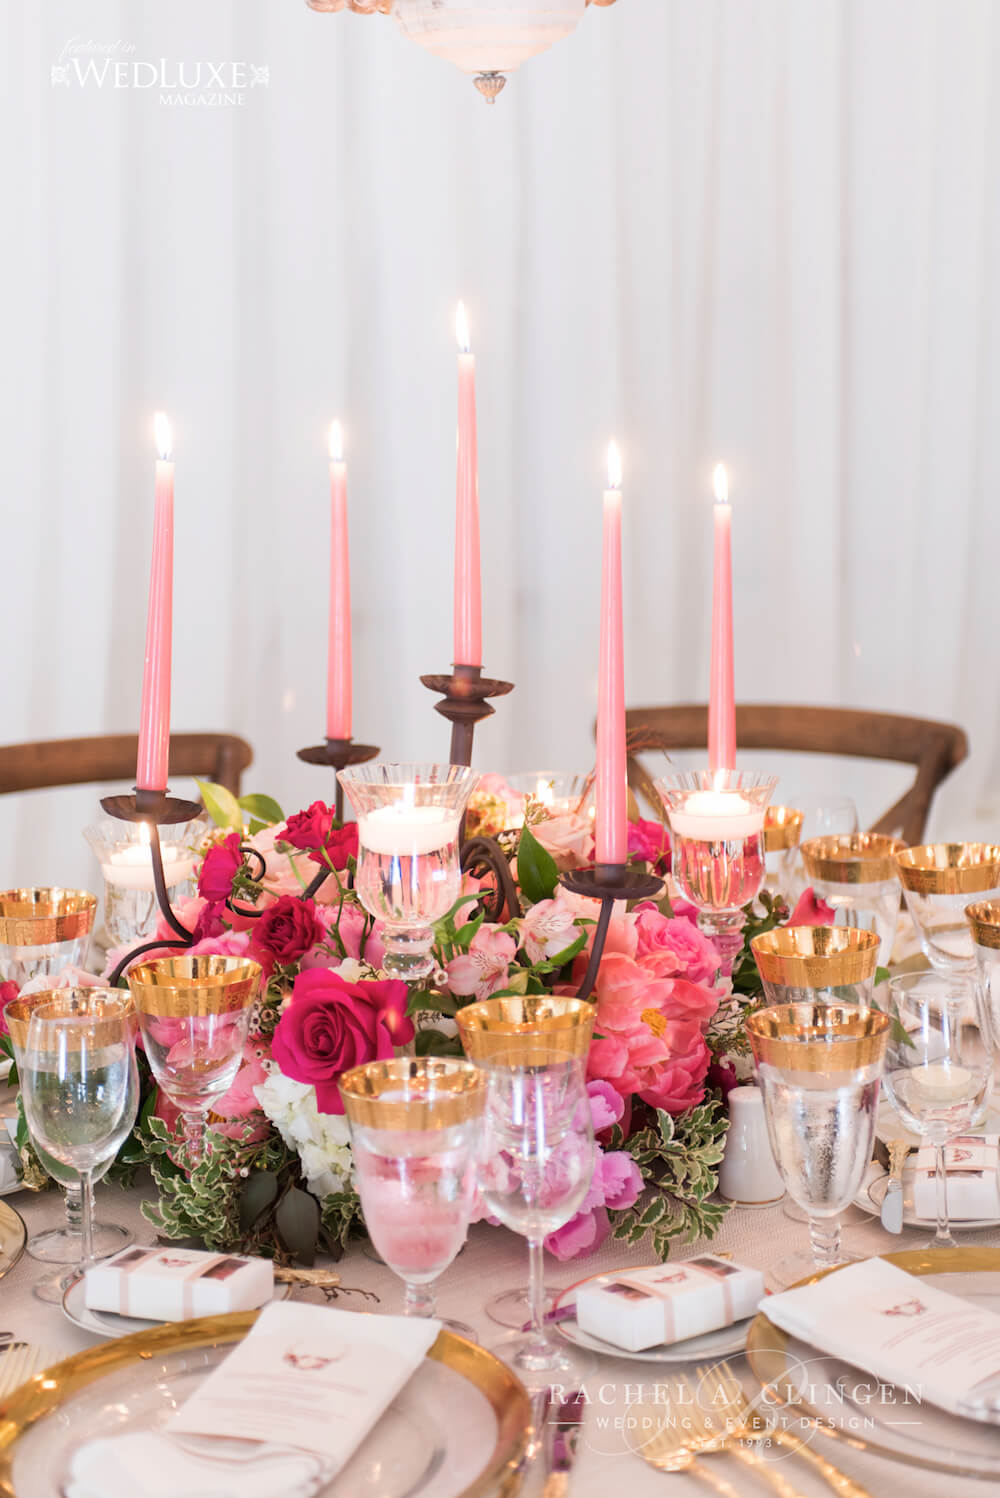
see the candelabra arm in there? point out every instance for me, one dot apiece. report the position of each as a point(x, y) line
point(160, 885)
point(157, 945)
point(486, 855)
point(597, 950)
point(607, 882)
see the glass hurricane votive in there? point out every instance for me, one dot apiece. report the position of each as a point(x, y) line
point(561, 792)
point(939, 881)
point(782, 832)
point(194, 1014)
point(414, 1130)
point(717, 832)
point(817, 964)
point(123, 851)
point(857, 875)
point(409, 819)
point(43, 930)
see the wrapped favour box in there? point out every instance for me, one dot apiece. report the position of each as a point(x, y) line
point(176, 1284)
point(640, 1308)
point(973, 1184)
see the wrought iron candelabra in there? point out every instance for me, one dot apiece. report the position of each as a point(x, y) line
point(157, 810)
point(338, 754)
point(609, 883)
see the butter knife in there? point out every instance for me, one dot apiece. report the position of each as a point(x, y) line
point(566, 1420)
point(892, 1202)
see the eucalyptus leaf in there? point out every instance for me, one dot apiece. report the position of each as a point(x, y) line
point(536, 869)
point(221, 805)
point(297, 1221)
point(264, 807)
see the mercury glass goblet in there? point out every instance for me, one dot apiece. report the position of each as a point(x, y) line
point(409, 821)
point(857, 875)
point(62, 1245)
point(717, 825)
point(939, 881)
point(414, 1132)
point(194, 1014)
point(43, 930)
point(819, 1068)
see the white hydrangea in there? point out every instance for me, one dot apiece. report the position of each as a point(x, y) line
point(321, 1140)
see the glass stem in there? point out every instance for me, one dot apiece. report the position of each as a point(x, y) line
point(74, 1207)
point(418, 1300)
point(86, 1221)
point(536, 1290)
point(942, 1238)
point(824, 1240)
point(193, 1125)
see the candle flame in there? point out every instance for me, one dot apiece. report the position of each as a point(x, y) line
point(614, 466)
point(462, 328)
point(164, 436)
point(720, 482)
point(336, 442)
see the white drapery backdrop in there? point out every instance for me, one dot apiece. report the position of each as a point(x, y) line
point(753, 230)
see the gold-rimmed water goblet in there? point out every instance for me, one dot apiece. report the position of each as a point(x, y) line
point(43, 929)
point(939, 880)
point(782, 835)
point(414, 1124)
point(819, 1067)
point(194, 1014)
point(62, 1245)
point(537, 1148)
point(858, 876)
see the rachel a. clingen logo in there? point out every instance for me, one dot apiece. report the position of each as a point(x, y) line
point(194, 83)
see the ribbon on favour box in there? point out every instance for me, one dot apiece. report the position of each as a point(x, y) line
point(148, 1260)
point(675, 1281)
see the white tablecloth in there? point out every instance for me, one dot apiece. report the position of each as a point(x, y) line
point(495, 1260)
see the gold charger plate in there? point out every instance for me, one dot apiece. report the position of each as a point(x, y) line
point(797, 1378)
point(13, 1237)
point(186, 1347)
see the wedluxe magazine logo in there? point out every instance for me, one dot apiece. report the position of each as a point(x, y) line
point(189, 83)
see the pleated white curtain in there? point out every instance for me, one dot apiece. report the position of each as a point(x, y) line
point(757, 230)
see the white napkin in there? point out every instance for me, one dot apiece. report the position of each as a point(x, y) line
point(904, 1331)
point(281, 1414)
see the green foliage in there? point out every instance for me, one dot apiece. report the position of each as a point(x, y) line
point(263, 809)
point(221, 805)
point(746, 978)
point(679, 1159)
point(536, 869)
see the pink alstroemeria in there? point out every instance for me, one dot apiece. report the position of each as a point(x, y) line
point(484, 969)
point(549, 928)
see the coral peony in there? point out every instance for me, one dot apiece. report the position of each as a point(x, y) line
point(694, 955)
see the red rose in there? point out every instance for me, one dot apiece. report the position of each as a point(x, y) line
point(285, 931)
point(811, 910)
point(330, 1026)
point(219, 868)
point(8, 992)
point(341, 845)
point(650, 842)
point(308, 830)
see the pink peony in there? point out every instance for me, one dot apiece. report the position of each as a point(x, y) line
point(549, 928)
point(230, 944)
point(331, 1025)
point(485, 968)
point(694, 955)
point(568, 837)
point(348, 922)
point(680, 1083)
point(811, 911)
point(583, 1234)
point(649, 842)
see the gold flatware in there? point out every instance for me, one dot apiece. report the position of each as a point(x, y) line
point(731, 1404)
point(669, 1451)
point(708, 1432)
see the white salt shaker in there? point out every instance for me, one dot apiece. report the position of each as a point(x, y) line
point(748, 1175)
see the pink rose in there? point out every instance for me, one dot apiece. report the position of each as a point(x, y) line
point(811, 911)
point(230, 944)
point(568, 837)
point(331, 1025)
point(309, 830)
point(485, 968)
point(549, 928)
point(219, 868)
point(694, 954)
point(649, 842)
point(8, 993)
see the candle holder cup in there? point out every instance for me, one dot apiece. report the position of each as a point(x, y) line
point(337, 754)
point(858, 876)
point(939, 881)
point(157, 809)
point(717, 828)
point(465, 704)
point(609, 883)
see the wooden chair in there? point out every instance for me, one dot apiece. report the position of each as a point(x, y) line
point(221, 757)
point(933, 748)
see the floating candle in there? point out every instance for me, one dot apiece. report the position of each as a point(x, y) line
point(717, 816)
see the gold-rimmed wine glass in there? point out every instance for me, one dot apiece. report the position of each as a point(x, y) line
point(939, 880)
point(42, 930)
point(857, 875)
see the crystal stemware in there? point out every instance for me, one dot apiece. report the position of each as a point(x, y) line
point(823, 815)
point(408, 876)
point(939, 1066)
point(62, 1245)
point(414, 1129)
point(717, 826)
point(43, 930)
point(782, 833)
point(939, 880)
point(537, 1144)
point(80, 1088)
point(857, 875)
point(122, 849)
point(194, 1014)
point(817, 964)
point(819, 1068)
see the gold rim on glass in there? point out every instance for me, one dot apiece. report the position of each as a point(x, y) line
point(815, 956)
point(950, 868)
point(186, 987)
point(782, 828)
point(536, 1030)
point(861, 858)
point(72, 1017)
point(984, 918)
point(413, 1093)
point(39, 917)
point(818, 1037)
point(67, 1003)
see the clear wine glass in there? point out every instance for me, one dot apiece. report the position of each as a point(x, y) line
point(823, 815)
point(80, 1087)
point(194, 1014)
point(414, 1127)
point(62, 1245)
point(819, 1068)
point(537, 1144)
point(939, 1067)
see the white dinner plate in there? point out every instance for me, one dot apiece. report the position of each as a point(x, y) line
point(724, 1342)
point(109, 1323)
point(872, 1194)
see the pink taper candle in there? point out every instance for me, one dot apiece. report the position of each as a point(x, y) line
point(611, 830)
point(468, 587)
point(722, 700)
point(338, 680)
point(153, 761)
